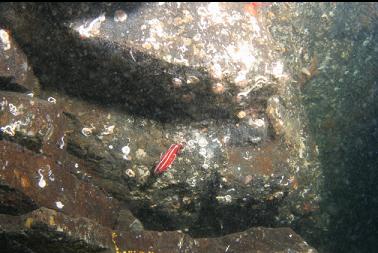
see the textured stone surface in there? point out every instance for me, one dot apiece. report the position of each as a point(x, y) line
point(120, 83)
point(36, 124)
point(218, 171)
point(62, 233)
point(47, 183)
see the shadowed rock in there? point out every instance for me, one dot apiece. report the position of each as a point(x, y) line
point(62, 233)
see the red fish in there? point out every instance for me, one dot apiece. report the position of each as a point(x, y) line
point(167, 159)
point(252, 7)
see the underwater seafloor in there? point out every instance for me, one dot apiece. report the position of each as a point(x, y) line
point(275, 105)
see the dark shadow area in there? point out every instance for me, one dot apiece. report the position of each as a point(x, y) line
point(8, 84)
point(42, 239)
point(70, 10)
point(213, 217)
point(347, 137)
point(15, 202)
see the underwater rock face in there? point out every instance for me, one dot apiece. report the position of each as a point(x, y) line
point(118, 92)
point(62, 233)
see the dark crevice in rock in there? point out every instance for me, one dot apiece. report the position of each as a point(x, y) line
point(9, 84)
point(208, 223)
point(43, 240)
point(15, 202)
point(32, 143)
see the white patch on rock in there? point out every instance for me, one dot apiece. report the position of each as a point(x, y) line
point(108, 130)
point(61, 143)
point(51, 100)
point(126, 151)
point(4, 37)
point(202, 152)
point(87, 131)
point(59, 204)
point(256, 123)
point(277, 69)
point(42, 183)
point(120, 16)
point(93, 29)
point(130, 173)
point(202, 142)
point(13, 109)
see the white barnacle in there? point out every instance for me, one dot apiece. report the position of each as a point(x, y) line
point(202, 152)
point(4, 37)
point(192, 80)
point(202, 142)
point(256, 123)
point(93, 29)
point(224, 199)
point(87, 131)
point(13, 109)
point(191, 144)
point(51, 100)
point(108, 130)
point(59, 204)
point(130, 173)
point(258, 84)
point(42, 182)
point(176, 82)
point(228, 198)
point(61, 144)
point(255, 139)
point(125, 150)
point(8, 129)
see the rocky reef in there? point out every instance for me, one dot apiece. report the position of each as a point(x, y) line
point(92, 94)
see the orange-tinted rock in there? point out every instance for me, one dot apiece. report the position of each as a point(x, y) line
point(47, 183)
